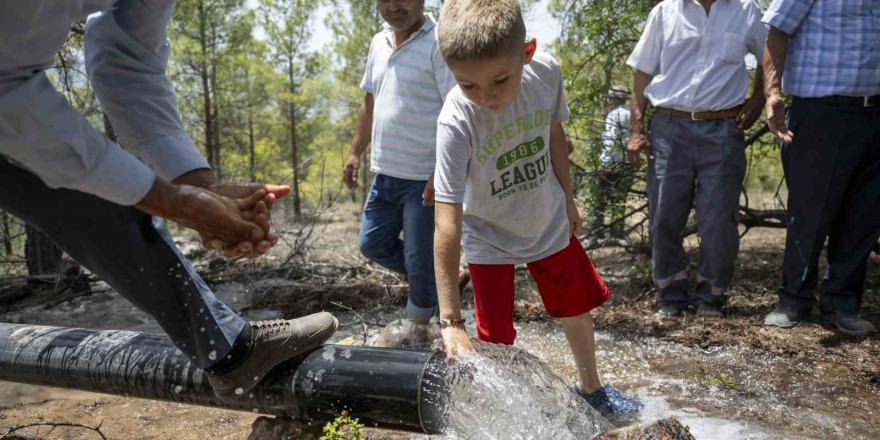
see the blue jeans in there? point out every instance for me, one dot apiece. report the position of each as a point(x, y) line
point(395, 205)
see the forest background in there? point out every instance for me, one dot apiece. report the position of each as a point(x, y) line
point(269, 91)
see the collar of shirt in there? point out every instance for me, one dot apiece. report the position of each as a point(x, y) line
point(697, 60)
point(426, 27)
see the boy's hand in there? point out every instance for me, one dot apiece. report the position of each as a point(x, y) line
point(350, 171)
point(456, 341)
point(428, 194)
point(574, 217)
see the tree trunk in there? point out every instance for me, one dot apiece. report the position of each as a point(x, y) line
point(43, 257)
point(215, 119)
point(206, 89)
point(252, 170)
point(294, 147)
point(7, 236)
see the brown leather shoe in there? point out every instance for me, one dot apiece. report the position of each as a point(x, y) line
point(275, 341)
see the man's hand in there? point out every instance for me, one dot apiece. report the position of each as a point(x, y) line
point(638, 143)
point(574, 217)
point(428, 193)
point(350, 171)
point(776, 118)
point(750, 112)
point(204, 178)
point(208, 213)
point(456, 341)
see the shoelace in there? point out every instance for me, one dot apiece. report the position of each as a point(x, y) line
point(270, 328)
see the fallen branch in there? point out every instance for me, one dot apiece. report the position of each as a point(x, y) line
point(53, 425)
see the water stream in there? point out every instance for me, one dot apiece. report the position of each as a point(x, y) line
point(720, 393)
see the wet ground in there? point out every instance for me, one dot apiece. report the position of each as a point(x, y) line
point(727, 379)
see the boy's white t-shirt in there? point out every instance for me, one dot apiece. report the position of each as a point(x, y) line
point(498, 166)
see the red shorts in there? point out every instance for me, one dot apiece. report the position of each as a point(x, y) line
point(567, 281)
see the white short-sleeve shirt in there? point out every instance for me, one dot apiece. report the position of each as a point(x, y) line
point(409, 85)
point(697, 60)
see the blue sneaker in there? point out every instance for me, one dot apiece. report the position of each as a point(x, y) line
point(610, 402)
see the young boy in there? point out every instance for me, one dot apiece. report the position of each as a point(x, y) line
point(503, 190)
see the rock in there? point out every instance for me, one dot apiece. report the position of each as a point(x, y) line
point(668, 429)
point(283, 428)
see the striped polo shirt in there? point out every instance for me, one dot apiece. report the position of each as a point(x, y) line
point(409, 86)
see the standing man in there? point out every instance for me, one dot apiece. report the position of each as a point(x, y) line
point(615, 177)
point(406, 82)
point(104, 207)
point(690, 64)
point(830, 151)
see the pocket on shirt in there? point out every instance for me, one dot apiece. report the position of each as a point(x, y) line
point(733, 48)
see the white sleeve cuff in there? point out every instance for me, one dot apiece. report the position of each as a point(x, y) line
point(119, 177)
point(172, 155)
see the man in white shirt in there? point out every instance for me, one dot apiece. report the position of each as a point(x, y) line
point(690, 64)
point(615, 177)
point(406, 82)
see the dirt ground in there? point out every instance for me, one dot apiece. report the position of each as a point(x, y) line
point(333, 270)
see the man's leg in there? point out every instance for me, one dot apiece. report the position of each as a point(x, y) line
point(857, 226)
point(381, 223)
point(134, 253)
point(817, 166)
point(721, 167)
point(418, 245)
point(670, 197)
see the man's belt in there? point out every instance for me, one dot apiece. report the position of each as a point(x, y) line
point(700, 116)
point(859, 101)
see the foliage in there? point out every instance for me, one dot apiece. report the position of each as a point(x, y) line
point(344, 428)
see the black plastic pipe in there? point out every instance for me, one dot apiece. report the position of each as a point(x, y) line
point(384, 388)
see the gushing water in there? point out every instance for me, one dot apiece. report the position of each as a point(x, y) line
point(504, 393)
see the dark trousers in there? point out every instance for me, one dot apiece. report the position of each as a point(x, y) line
point(134, 253)
point(698, 164)
point(833, 173)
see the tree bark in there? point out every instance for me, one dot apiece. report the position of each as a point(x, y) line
point(206, 88)
point(7, 235)
point(43, 257)
point(252, 172)
point(294, 147)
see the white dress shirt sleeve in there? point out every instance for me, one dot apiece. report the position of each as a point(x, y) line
point(646, 55)
point(126, 55)
point(757, 36)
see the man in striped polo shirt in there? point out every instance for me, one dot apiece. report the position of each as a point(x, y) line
point(406, 82)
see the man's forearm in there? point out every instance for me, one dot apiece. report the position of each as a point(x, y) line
point(364, 129)
point(447, 250)
point(758, 90)
point(774, 61)
point(202, 178)
point(639, 102)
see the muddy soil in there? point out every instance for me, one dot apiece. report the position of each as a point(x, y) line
point(332, 269)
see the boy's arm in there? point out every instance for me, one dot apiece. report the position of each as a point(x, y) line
point(447, 250)
point(559, 159)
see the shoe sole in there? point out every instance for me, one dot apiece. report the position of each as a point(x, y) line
point(308, 344)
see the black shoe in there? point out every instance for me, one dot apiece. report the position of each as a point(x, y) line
point(671, 310)
point(786, 317)
point(708, 305)
point(850, 324)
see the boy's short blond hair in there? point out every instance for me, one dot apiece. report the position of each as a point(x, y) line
point(476, 30)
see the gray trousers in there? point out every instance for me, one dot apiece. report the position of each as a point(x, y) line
point(702, 162)
point(134, 253)
point(833, 171)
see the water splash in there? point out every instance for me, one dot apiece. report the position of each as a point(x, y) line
point(504, 393)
